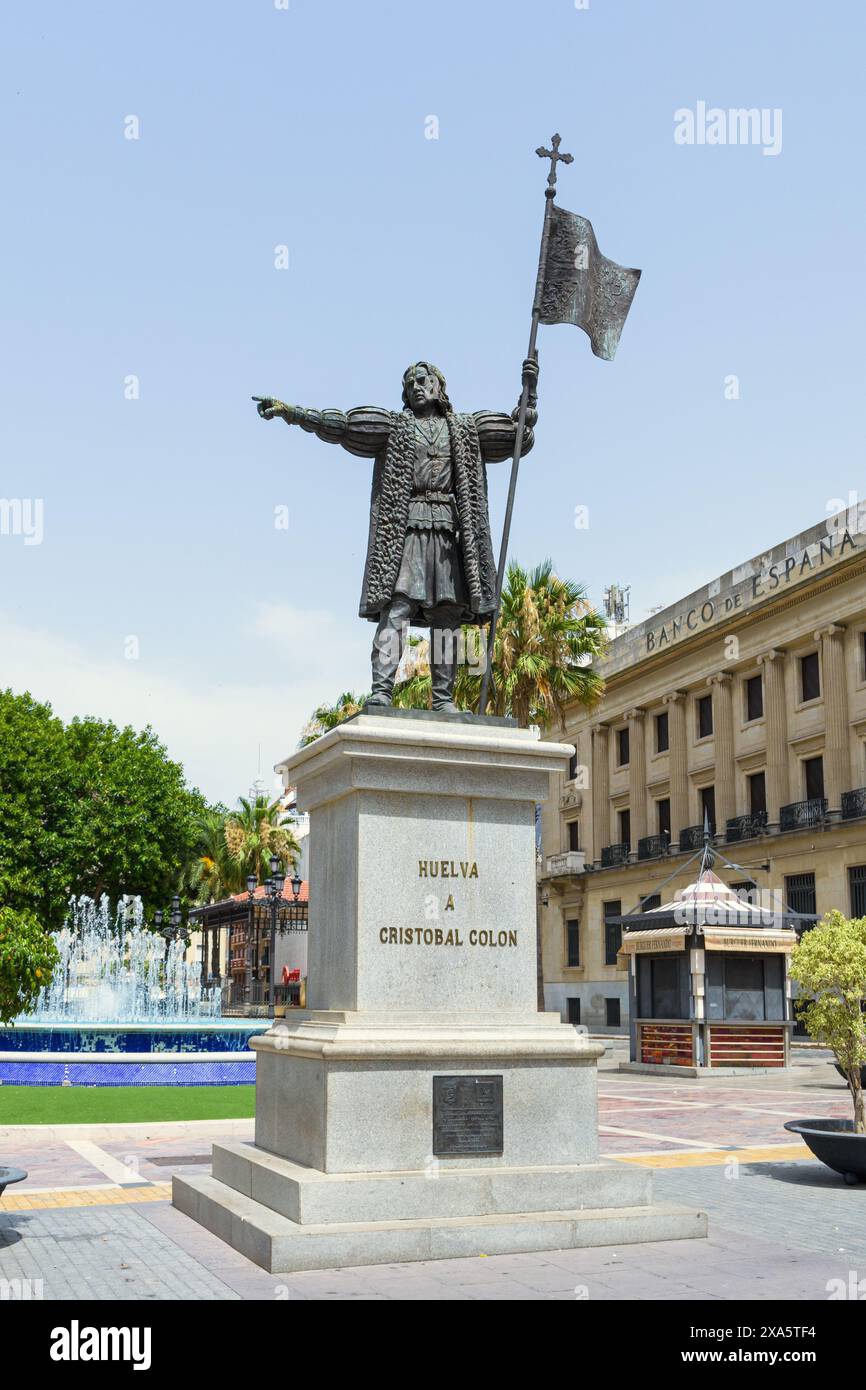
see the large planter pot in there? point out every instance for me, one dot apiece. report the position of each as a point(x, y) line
point(8, 1175)
point(835, 1143)
point(845, 1079)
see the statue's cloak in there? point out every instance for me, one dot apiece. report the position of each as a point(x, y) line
point(389, 511)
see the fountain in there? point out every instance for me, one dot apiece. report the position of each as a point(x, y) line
point(125, 1008)
point(113, 969)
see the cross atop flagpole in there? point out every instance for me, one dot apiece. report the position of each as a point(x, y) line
point(575, 284)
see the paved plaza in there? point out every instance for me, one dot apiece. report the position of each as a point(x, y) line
point(95, 1221)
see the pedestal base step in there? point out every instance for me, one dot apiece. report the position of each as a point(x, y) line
point(282, 1246)
point(310, 1197)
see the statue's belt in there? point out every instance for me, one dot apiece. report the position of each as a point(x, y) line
point(444, 497)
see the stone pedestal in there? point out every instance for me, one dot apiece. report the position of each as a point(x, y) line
point(422, 960)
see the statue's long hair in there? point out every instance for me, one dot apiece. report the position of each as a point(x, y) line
point(447, 408)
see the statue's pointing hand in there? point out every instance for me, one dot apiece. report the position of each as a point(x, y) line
point(270, 409)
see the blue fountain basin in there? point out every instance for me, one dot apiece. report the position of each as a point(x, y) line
point(225, 1036)
point(171, 1054)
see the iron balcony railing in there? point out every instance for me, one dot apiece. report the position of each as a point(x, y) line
point(854, 803)
point(799, 815)
point(614, 854)
point(692, 837)
point(745, 827)
point(652, 846)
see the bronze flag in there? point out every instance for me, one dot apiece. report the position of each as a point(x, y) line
point(581, 286)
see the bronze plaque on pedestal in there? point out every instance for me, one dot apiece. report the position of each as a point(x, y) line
point(467, 1115)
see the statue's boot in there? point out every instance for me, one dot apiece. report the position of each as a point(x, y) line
point(388, 648)
point(443, 669)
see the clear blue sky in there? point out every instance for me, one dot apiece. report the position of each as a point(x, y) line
point(306, 127)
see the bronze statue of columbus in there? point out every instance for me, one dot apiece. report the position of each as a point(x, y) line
point(429, 553)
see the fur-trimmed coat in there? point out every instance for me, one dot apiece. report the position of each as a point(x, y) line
point(389, 438)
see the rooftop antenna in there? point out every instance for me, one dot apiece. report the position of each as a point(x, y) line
point(258, 787)
point(616, 607)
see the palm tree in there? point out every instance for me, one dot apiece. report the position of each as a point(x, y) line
point(259, 829)
point(212, 874)
point(329, 716)
point(546, 636)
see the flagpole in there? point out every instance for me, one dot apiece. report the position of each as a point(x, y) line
point(549, 194)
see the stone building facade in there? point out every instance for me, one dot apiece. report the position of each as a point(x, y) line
point(743, 705)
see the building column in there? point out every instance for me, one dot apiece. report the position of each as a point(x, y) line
point(721, 685)
point(834, 685)
point(675, 704)
point(636, 777)
point(772, 664)
point(600, 790)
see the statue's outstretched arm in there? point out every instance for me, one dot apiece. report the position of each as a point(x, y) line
point(496, 430)
point(363, 431)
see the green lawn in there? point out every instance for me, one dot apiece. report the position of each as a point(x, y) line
point(69, 1105)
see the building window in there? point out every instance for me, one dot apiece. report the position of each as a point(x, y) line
point(813, 772)
point(754, 698)
point(572, 766)
point(653, 901)
point(572, 1008)
point(800, 892)
point(810, 677)
point(758, 794)
point(708, 807)
point(705, 716)
point(625, 828)
point(612, 1013)
point(663, 732)
point(574, 834)
point(857, 887)
point(612, 931)
point(664, 819)
point(572, 933)
point(622, 748)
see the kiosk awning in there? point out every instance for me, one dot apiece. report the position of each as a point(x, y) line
point(728, 939)
point(654, 940)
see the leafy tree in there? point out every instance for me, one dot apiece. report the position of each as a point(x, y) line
point(87, 808)
point(829, 964)
point(28, 956)
point(255, 832)
point(35, 802)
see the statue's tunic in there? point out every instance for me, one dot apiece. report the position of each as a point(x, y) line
point(429, 528)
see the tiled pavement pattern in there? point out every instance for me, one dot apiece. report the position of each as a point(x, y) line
point(152, 1252)
point(781, 1226)
point(803, 1204)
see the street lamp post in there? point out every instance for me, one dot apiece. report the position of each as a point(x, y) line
point(274, 895)
point(171, 931)
point(273, 887)
point(252, 884)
